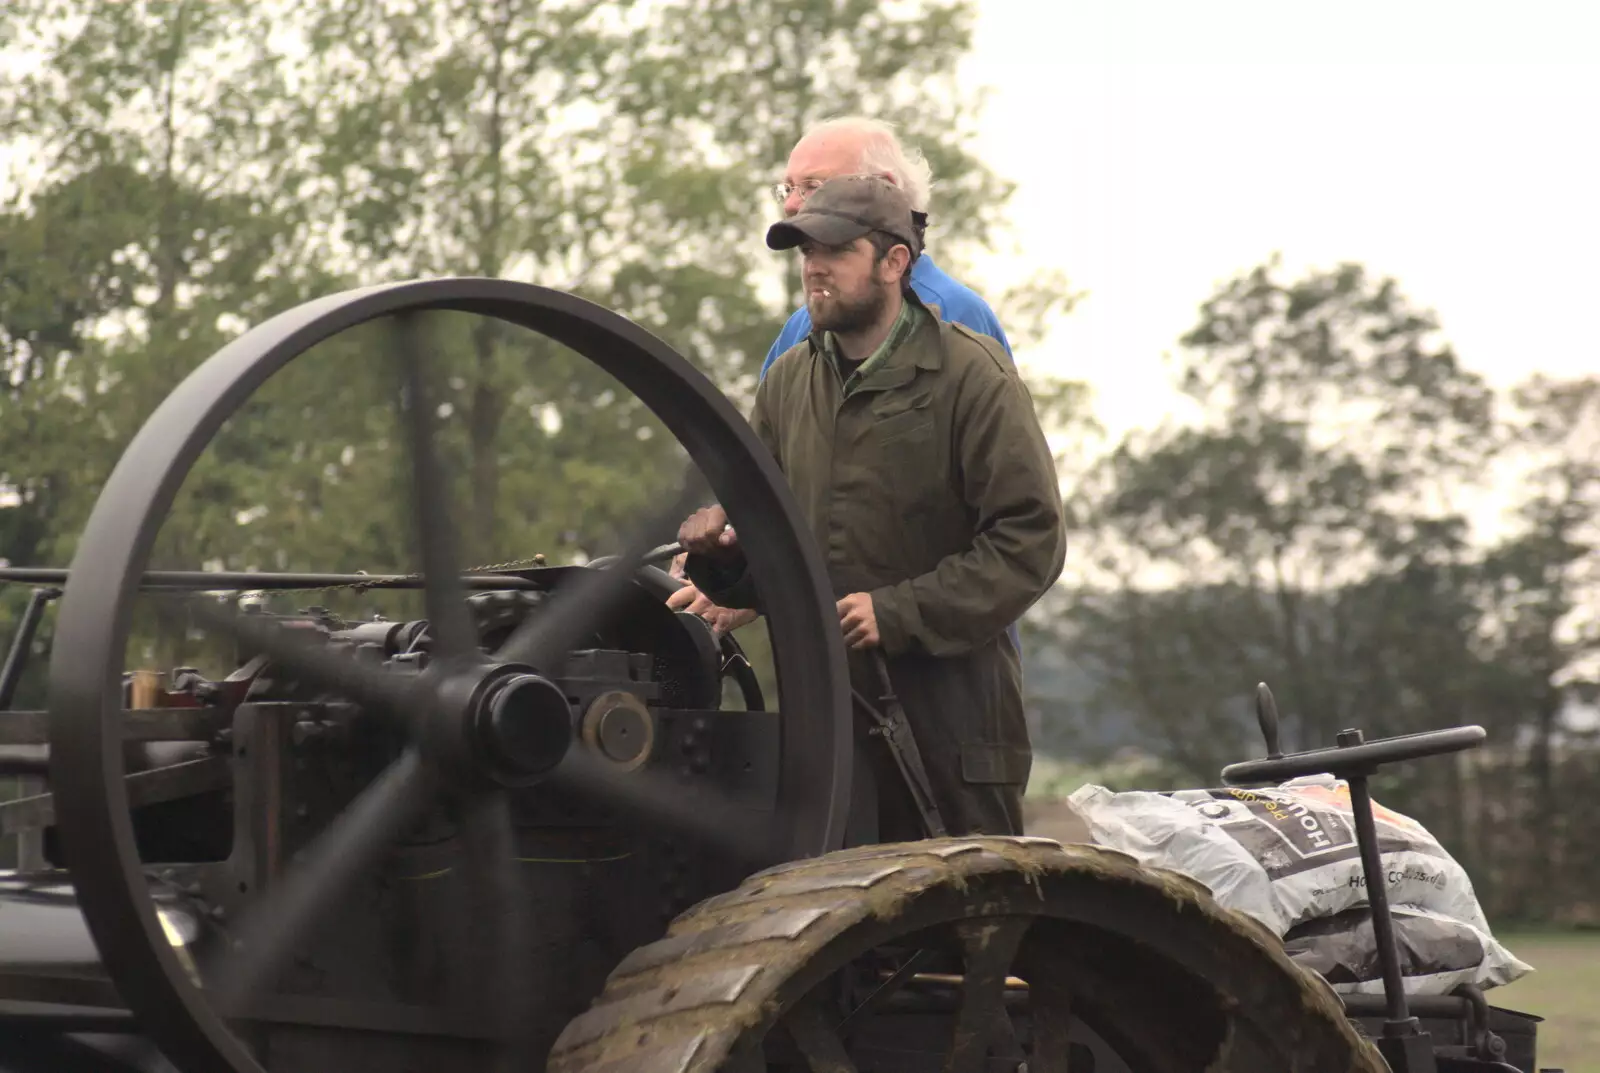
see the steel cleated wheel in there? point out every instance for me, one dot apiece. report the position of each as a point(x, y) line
point(995, 953)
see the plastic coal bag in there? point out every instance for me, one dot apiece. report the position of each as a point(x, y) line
point(1288, 855)
point(1437, 954)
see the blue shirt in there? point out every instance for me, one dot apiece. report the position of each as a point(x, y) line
point(957, 303)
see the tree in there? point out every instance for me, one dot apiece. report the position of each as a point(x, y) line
point(1311, 529)
point(1541, 588)
point(143, 227)
point(206, 164)
point(1274, 537)
point(614, 151)
point(147, 233)
point(749, 79)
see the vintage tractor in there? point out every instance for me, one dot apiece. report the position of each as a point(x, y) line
point(527, 832)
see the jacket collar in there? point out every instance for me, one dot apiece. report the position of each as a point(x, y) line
point(917, 351)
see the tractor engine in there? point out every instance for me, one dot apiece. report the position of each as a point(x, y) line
point(274, 759)
point(550, 825)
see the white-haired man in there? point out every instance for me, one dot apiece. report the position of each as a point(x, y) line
point(855, 145)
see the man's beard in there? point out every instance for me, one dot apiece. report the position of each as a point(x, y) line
point(845, 315)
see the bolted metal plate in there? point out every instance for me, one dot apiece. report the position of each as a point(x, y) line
point(943, 849)
point(851, 879)
point(674, 1057)
point(783, 924)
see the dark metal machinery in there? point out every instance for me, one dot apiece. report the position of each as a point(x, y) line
point(526, 832)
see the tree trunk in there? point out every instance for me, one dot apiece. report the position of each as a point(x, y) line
point(488, 405)
point(1540, 843)
point(168, 245)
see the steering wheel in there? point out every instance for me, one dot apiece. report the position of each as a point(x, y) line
point(1353, 756)
point(1361, 758)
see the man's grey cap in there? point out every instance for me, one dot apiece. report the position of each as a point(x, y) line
point(842, 210)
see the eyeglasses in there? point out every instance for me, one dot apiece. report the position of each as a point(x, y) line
point(805, 187)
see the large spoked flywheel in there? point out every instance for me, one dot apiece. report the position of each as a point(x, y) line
point(473, 725)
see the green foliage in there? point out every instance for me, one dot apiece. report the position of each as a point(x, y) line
point(141, 241)
point(192, 168)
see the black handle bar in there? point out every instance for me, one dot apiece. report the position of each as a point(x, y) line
point(1343, 761)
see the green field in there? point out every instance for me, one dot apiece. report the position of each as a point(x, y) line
point(1565, 991)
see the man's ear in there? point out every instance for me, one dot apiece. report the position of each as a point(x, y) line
point(898, 261)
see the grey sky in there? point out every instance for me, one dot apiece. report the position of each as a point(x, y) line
point(1160, 147)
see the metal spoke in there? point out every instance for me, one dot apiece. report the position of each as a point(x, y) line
point(581, 605)
point(303, 654)
point(1050, 1010)
point(271, 928)
point(817, 1039)
point(886, 990)
point(500, 923)
point(990, 946)
point(449, 623)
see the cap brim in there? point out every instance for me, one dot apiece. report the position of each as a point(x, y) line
point(828, 230)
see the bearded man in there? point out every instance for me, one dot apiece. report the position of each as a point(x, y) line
point(856, 145)
point(917, 458)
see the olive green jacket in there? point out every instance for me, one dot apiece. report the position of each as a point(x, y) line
point(931, 486)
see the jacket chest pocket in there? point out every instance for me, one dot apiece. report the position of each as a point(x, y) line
point(905, 432)
point(898, 453)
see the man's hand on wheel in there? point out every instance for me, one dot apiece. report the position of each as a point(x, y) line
point(692, 600)
point(722, 619)
point(707, 532)
point(727, 619)
point(858, 621)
